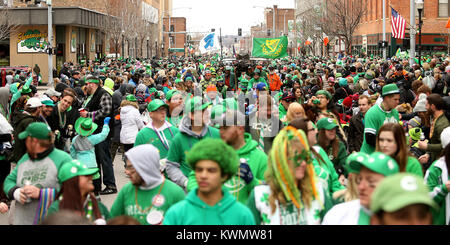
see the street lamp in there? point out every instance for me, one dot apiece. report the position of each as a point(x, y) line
point(419, 5)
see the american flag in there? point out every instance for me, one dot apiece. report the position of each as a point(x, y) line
point(398, 24)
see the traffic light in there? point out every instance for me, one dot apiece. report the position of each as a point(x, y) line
point(240, 32)
point(268, 32)
point(213, 30)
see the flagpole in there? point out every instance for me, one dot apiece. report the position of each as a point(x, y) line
point(384, 29)
point(412, 32)
point(221, 55)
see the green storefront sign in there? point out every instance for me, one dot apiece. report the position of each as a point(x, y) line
point(178, 50)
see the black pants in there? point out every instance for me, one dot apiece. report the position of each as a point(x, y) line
point(105, 165)
point(5, 169)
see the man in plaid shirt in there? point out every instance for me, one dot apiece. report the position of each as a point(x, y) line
point(97, 106)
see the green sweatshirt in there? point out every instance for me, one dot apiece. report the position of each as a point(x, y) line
point(326, 171)
point(148, 135)
point(193, 211)
point(253, 82)
point(436, 183)
point(182, 143)
point(125, 203)
point(414, 167)
point(256, 159)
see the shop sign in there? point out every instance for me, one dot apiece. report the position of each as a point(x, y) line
point(31, 41)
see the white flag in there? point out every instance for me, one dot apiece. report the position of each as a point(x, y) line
point(209, 43)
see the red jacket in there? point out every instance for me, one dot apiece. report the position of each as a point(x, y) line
point(274, 82)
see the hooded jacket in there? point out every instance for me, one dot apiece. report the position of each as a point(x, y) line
point(131, 122)
point(177, 169)
point(160, 138)
point(156, 194)
point(20, 123)
point(117, 96)
point(436, 177)
point(193, 211)
point(109, 85)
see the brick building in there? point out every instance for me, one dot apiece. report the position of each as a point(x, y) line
point(435, 37)
point(81, 31)
point(175, 43)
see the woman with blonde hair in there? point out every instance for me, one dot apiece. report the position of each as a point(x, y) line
point(293, 194)
point(295, 110)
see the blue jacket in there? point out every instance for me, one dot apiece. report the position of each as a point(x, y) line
point(83, 148)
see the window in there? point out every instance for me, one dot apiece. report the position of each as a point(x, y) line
point(172, 28)
point(443, 8)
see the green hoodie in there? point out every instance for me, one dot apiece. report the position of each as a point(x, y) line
point(256, 159)
point(193, 211)
point(148, 135)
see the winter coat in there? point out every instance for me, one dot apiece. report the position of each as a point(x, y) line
point(131, 122)
point(355, 133)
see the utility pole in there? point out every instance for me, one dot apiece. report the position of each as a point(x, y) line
point(50, 41)
point(220, 41)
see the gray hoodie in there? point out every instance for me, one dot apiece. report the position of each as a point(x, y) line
point(145, 159)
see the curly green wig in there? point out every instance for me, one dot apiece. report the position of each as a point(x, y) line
point(215, 150)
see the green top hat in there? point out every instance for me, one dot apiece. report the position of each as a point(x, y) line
point(196, 104)
point(398, 191)
point(378, 163)
point(156, 104)
point(326, 123)
point(390, 89)
point(25, 89)
point(36, 130)
point(74, 168)
point(84, 126)
point(131, 98)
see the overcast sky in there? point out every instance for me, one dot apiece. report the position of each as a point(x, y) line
point(226, 14)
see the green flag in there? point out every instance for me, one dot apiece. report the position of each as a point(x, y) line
point(271, 48)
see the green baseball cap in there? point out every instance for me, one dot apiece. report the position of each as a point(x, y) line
point(338, 75)
point(47, 102)
point(155, 104)
point(131, 98)
point(171, 93)
point(326, 123)
point(377, 162)
point(74, 168)
point(93, 80)
point(390, 89)
point(398, 191)
point(324, 92)
point(188, 79)
point(196, 104)
point(38, 130)
point(178, 80)
point(359, 158)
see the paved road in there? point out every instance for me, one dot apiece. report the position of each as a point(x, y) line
point(107, 200)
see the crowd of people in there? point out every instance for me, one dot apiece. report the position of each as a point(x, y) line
point(304, 140)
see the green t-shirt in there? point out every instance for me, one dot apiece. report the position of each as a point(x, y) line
point(375, 118)
point(413, 166)
point(125, 203)
point(160, 141)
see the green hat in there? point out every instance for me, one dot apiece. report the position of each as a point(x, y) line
point(217, 151)
point(196, 104)
point(171, 93)
point(36, 130)
point(390, 89)
point(324, 92)
point(74, 168)
point(338, 75)
point(378, 162)
point(47, 102)
point(131, 97)
point(188, 79)
point(414, 133)
point(398, 191)
point(359, 158)
point(93, 80)
point(25, 89)
point(84, 126)
point(257, 71)
point(178, 80)
point(369, 75)
point(326, 123)
point(156, 104)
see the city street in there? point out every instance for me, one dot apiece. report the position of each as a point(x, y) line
point(108, 200)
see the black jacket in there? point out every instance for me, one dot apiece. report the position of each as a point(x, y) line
point(355, 133)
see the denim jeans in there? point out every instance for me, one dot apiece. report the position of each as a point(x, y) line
point(105, 164)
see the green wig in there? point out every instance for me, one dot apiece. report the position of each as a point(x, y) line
point(217, 151)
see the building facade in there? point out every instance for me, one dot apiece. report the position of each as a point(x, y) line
point(175, 42)
point(435, 37)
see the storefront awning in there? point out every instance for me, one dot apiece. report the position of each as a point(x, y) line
point(61, 16)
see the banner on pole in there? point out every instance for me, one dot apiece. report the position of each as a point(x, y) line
point(271, 48)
